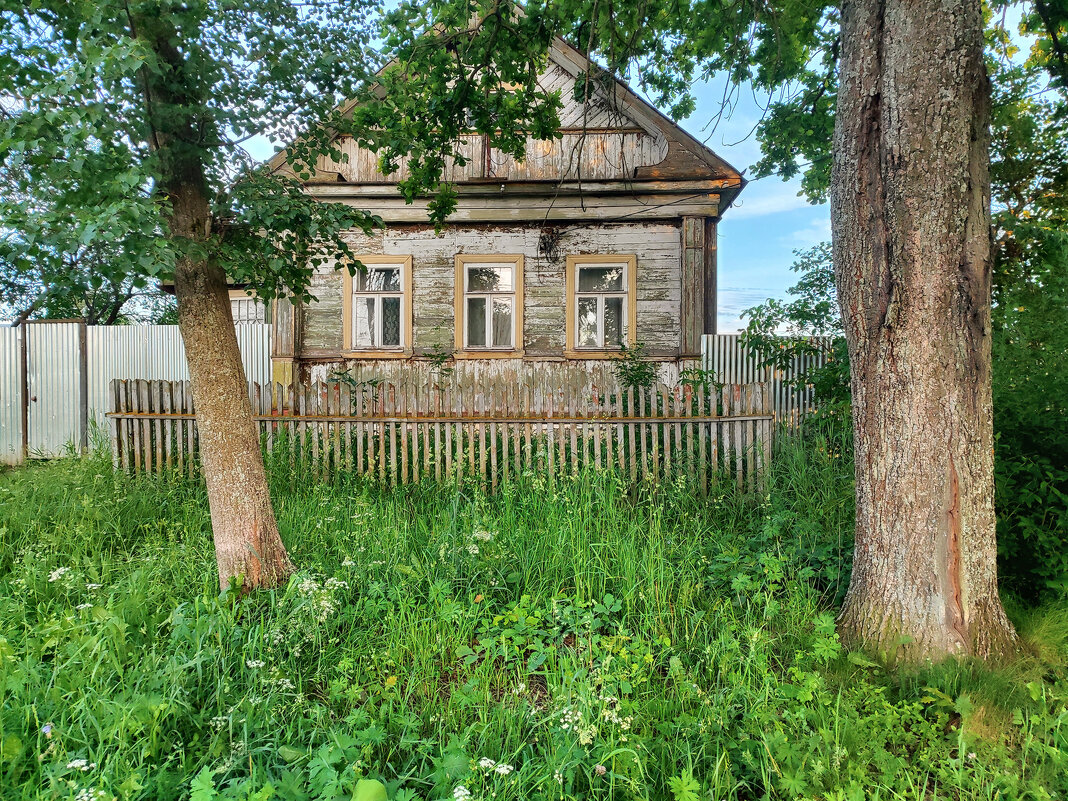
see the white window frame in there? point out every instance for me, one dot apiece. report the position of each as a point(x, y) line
point(352, 295)
point(628, 294)
point(464, 262)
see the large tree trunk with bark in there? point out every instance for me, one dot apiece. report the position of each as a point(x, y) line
point(911, 229)
point(247, 542)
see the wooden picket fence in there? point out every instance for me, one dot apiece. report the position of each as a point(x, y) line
point(494, 431)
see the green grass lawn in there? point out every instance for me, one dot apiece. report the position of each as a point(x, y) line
point(557, 640)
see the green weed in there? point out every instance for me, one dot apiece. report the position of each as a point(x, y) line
point(560, 639)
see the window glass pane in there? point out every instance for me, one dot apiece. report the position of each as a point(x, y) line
point(489, 278)
point(391, 322)
point(476, 322)
point(613, 322)
point(364, 323)
point(379, 279)
point(587, 323)
point(606, 278)
point(502, 322)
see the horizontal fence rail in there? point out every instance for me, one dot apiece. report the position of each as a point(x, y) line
point(399, 433)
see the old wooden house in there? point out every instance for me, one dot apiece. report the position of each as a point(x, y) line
point(602, 237)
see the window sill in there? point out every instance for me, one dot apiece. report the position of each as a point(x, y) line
point(488, 354)
point(593, 354)
point(376, 354)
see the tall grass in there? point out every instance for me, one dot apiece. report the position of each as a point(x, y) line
point(561, 639)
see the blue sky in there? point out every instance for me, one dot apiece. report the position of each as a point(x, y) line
point(760, 232)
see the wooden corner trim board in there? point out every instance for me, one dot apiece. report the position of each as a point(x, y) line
point(405, 351)
point(571, 350)
point(459, 326)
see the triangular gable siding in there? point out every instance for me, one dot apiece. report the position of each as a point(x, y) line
point(598, 143)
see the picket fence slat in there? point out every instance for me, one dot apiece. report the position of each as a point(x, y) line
point(408, 432)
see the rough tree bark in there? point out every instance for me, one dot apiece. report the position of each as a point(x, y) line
point(911, 229)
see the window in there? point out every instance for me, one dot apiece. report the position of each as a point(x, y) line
point(378, 310)
point(601, 301)
point(489, 303)
point(247, 308)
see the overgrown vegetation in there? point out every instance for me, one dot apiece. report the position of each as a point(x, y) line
point(1030, 386)
point(558, 640)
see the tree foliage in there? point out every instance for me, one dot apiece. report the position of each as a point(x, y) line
point(90, 91)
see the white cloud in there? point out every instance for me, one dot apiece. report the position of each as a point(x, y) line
point(763, 198)
point(816, 231)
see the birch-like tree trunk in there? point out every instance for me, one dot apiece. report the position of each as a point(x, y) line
point(910, 218)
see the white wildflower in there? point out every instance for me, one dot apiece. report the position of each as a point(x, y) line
point(486, 763)
point(472, 549)
point(81, 764)
point(484, 536)
point(84, 606)
point(58, 573)
point(461, 793)
point(348, 563)
point(92, 586)
point(255, 663)
point(503, 769)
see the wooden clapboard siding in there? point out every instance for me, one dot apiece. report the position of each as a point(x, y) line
point(594, 155)
point(656, 246)
point(491, 429)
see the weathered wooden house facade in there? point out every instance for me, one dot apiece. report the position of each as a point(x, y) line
point(606, 235)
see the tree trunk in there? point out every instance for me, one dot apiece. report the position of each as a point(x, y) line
point(246, 535)
point(910, 195)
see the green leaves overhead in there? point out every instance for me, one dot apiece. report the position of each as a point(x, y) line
point(102, 102)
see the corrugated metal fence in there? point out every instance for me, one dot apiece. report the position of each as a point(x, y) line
point(724, 356)
point(67, 367)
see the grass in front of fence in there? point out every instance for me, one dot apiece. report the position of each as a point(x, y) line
point(561, 639)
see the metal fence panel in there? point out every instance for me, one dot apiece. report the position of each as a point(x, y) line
point(731, 363)
point(55, 375)
point(10, 397)
point(54, 371)
point(157, 353)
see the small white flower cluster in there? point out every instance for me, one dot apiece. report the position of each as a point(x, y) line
point(220, 722)
point(500, 768)
point(90, 794)
point(254, 663)
point(81, 764)
point(57, 574)
point(569, 718)
point(322, 595)
point(91, 586)
point(472, 549)
point(461, 793)
point(610, 713)
point(484, 536)
point(348, 562)
point(83, 606)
